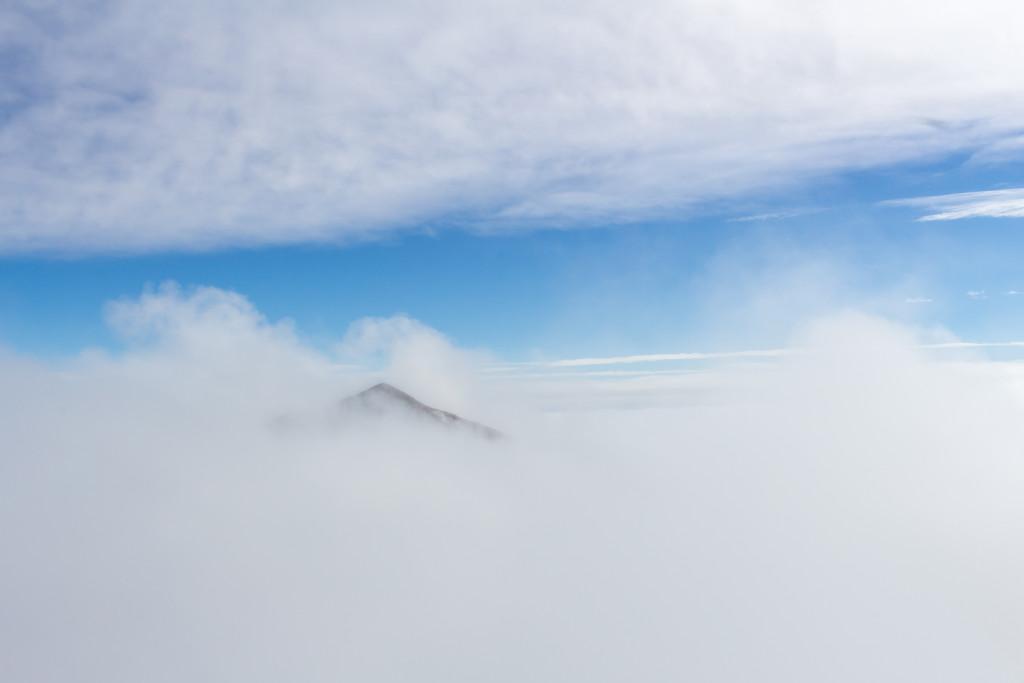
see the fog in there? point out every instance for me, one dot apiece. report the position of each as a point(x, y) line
point(847, 512)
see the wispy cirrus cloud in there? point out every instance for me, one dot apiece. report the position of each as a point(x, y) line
point(197, 125)
point(566, 367)
point(777, 215)
point(661, 357)
point(1007, 203)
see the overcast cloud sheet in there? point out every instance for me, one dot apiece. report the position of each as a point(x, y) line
point(133, 126)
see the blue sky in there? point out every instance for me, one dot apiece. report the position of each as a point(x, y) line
point(722, 281)
point(544, 183)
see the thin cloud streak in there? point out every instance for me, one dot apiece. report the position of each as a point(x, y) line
point(950, 207)
point(794, 213)
point(725, 355)
point(656, 357)
point(510, 373)
point(970, 345)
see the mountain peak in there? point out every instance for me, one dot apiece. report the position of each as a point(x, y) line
point(385, 389)
point(384, 399)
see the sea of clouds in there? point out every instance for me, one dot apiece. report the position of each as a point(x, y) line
point(851, 512)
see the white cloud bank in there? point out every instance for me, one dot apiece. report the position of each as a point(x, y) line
point(191, 125)
point(848, 514)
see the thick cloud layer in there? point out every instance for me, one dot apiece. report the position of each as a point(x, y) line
point(131, 126)
point(847, 513)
